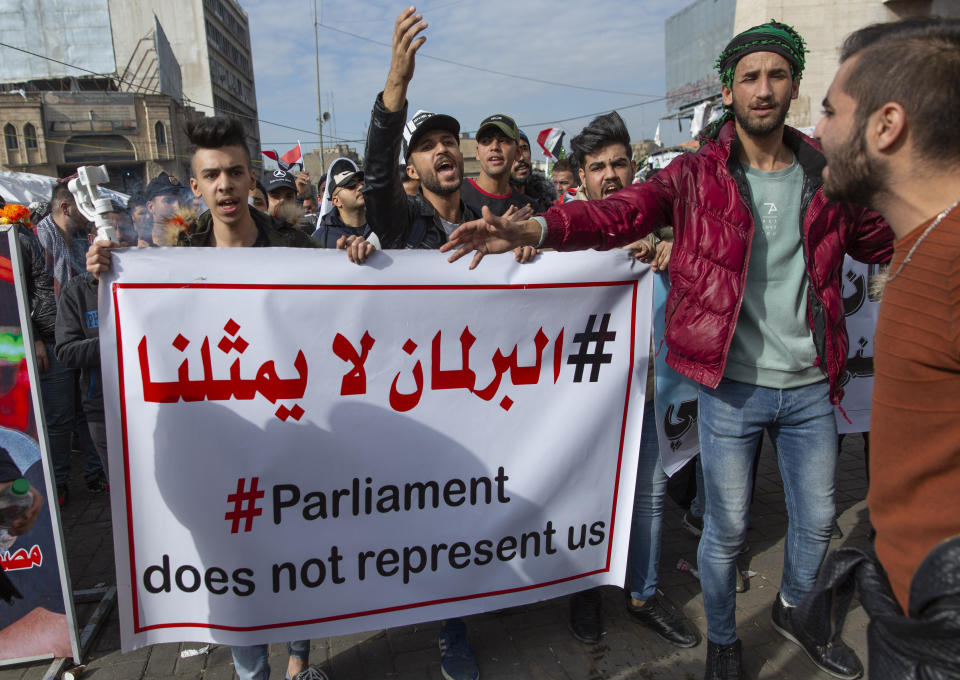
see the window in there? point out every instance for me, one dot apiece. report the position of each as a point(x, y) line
point(161, 135)
point(10, 136)
point(30, 136)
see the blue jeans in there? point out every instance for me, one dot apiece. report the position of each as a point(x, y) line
point(643, 557)
point(59, 390)
point(803, 428)
point(252, 662)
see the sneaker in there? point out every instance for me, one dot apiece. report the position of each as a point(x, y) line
point(586, 618)
point(63, 494)
point(692, 523)
point(311, 672)
point(723, 662)
point(834, 658)
point(456, 656)
point(661, 616)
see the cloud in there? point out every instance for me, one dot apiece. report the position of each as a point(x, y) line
point(612, 46)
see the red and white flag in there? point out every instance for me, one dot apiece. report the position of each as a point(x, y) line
point(293, 156)
point(551, 141)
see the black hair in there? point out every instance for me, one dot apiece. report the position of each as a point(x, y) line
point(217, 132)
point(61, 193)
point(602, 131)
point(911, 27)
point(916, 64)
point(564, 165)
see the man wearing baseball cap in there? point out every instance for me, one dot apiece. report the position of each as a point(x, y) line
point(498, 140)
point(431, 147)
point(281, 187)
point(163, 196)
point(348, 216)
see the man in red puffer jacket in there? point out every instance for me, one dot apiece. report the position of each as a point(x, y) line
point(755, 315)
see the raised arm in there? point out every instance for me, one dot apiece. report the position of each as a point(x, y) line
point(388, 211)
point(405, 46)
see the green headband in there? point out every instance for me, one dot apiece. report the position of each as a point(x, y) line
point(769, 37)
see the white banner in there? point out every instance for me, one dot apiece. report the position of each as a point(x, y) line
point(301, 447)
point(861, 309)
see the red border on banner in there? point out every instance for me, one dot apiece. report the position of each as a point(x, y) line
point(135, 585)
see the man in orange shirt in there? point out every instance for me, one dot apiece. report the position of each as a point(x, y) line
point(891, 139)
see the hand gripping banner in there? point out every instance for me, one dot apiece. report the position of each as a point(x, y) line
point(301, 447)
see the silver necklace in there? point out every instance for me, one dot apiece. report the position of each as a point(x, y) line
point(891, 277)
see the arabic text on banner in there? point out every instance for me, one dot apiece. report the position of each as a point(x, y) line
point(303, 447)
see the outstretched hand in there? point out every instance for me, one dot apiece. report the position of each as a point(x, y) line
point(405, 46)
point(491, 235)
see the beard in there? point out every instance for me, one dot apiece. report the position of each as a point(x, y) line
point(852, 175)
point(521, 172)
point(761, 127)
point(431, 182)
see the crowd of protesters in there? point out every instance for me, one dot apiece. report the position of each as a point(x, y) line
point(756, 313)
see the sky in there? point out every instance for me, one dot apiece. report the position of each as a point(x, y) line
point(616, 47)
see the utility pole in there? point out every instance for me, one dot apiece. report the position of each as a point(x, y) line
point(316, 47)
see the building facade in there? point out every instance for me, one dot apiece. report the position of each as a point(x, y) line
point(211, 41)
point(696, 35)
point(824, 24)
point(136, 136)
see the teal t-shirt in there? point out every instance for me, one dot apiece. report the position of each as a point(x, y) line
point(772, 345)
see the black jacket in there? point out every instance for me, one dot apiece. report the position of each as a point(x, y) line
point(922, 646)
point(78, 339)
point(271, 232)
point(332, 228)
point(539, 190)
point(399, 220)
point(43, 305)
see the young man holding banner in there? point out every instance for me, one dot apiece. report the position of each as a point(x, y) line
point(602, 152)
point(223, 177)
point(755, 315)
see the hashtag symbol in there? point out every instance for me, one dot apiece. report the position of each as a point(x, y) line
point(244, 505)
point(584, 357)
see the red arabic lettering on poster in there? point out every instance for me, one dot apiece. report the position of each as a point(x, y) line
point(273, 388)
point(354, 381)
point(22, 559)
point(266, 382)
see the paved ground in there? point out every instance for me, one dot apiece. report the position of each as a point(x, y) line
point(513, 644)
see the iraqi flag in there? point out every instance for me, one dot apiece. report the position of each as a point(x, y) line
point(551, 141)
point(293, 157)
